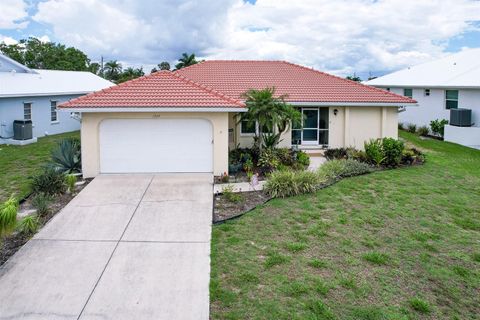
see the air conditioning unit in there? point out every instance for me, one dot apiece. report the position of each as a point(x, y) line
point(461, 117)
point(22, 129)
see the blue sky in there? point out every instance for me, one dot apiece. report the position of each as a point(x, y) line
point(341, 37)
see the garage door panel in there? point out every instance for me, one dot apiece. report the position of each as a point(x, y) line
point(156, 145)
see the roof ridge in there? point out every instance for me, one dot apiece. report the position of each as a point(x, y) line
point(207, 89)
point(387, 93)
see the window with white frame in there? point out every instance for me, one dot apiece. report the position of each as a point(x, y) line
point(248, 127)
point(53, 111)
point(27, 111)
point(426, 93)
point(451, 99)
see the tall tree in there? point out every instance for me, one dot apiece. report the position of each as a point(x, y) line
point(186, 60)
point(164, 65)
point(46, 55)
point(94, 67)
point(112, 70)
point(354, 78)
point(130, 73)
point(269, 111)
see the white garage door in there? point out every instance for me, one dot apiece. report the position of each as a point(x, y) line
point(156, 145)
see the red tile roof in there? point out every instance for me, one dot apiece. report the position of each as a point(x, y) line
point(220, 84)
point(159, 89)
point(301, 84)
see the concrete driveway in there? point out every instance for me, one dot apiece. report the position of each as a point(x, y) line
point(127, 247)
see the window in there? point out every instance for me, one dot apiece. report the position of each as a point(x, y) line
point(408, 93)
point(248, 127)
point(451, 99)
point(53, 111)
point(426, 93)
point(27, 111)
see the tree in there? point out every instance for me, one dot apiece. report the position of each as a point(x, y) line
point(164, 65)
point(186, 60)
point(94, 67)
point(112, 70)
point(36, 54)
point(130, 73)
point(354, 78)
point(269, 111)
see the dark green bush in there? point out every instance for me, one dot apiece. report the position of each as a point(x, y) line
point(335, 153)
point(49, 181)
point(392, 151)
point(288, 183)
point(401, 126)
point(438, 127)
point(355, 168)
point(66, 157)
point(412, 128)
point(356, 155)
point(423, 131)
point(285, 156)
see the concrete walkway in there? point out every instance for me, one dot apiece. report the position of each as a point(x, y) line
point(127, 247)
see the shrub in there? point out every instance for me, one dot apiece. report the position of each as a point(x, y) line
point(268, 160)
point(374, 152)
point(303, 158)
point(423, 131)
point(248, 165)
point(357, 155)
point(40, 202)
point(412, 128)
point(438, 127)
point(270, 141)
point(335, 153)
point(290, 183)
point(285, 156)
point(331, 170)
point(8, 215)
point(355, 168)
point(401, 126)
point(29, 224)
point(49, 181)
point(66, 157)
point(231, 196)
point(70, 181)
point(392, 151)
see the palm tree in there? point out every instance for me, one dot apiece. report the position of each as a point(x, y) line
point(186, 60)
point(112, 70)
point(164, 65)
point(269, 111)
point(94, 67)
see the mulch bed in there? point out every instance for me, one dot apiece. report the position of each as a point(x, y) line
point(223, 209)
point(11, 244)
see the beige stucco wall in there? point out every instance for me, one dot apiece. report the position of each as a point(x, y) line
point(351, 127)
point(90, 136)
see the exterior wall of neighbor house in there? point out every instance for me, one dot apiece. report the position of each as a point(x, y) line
point(433, 106)
point(12, 109)
point(351, 127)
point(90, 136)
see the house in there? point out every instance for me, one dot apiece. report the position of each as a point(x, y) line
point(439, 86)
point(185, 121)
point(29, 94)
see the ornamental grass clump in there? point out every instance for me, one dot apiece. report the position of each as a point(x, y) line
point(8, 215)
point(29, 225)
point(288, 183)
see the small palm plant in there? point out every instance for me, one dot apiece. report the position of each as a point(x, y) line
point(70, 180)
point(8, 215)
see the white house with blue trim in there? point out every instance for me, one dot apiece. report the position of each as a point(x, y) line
point(32, 94)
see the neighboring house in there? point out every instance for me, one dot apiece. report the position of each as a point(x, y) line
point(438, 86)
point(29, 94)
point(185, 121)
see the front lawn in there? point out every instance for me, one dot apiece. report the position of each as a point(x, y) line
point(395, 244)
point(18, 163)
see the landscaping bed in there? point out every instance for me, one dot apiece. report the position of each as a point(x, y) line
point(393, 244)
point(224, 208)
point(13, 242)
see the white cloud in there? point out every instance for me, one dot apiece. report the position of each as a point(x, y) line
point(339, 36)
point(13, 14)
point(7, 40)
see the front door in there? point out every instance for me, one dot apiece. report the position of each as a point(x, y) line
point(310, 126)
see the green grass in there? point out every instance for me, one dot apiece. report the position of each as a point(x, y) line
point(18, 163)
point(395, 244)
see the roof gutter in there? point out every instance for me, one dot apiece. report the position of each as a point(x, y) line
point(26, 94)
point(353, 104)
point(423, 86)
point(150, 109)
